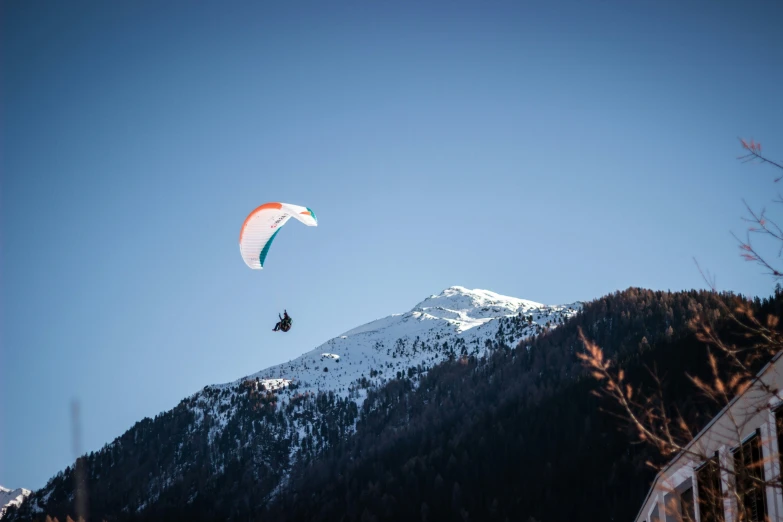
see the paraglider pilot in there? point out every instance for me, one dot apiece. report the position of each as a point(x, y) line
point(284, 323)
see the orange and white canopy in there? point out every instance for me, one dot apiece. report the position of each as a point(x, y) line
point(263, 224)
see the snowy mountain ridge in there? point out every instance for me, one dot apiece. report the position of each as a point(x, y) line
point(11, 497)
point(292, 412)
point(460, 307)
point(396, 342)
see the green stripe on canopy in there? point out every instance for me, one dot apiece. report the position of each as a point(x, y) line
point(265, 250)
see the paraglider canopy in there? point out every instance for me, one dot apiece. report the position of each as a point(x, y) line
point(263, 224)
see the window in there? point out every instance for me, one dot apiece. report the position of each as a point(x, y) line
point(687, 509)
point(710, 495)
point(679, 503)
point(749, 477)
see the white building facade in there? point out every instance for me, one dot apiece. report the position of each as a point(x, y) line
point(740, 445)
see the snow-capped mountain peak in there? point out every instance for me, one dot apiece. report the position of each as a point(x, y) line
point(458, 306)
point(458, 317)
point(461, 298)
point(468, 308)
point(11, 497)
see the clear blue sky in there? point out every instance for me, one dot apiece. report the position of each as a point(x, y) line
point(553, 151)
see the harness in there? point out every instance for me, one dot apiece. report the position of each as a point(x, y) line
point(285, 324)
